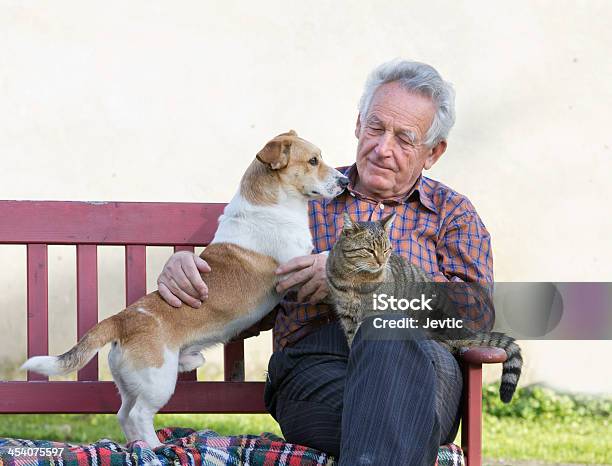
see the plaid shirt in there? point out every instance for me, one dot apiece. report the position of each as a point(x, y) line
point(435, 228)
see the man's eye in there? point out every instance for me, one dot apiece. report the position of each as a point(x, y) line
point(405, 142)
point(375, 129)
point(313, 161)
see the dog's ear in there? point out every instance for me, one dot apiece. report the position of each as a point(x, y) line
point(291, 132)
point(275, 154)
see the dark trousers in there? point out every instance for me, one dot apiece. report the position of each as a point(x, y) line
point(386, 402)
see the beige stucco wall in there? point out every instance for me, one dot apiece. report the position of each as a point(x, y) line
point(167, 101)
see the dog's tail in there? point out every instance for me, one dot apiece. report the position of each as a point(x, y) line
point(80, 354)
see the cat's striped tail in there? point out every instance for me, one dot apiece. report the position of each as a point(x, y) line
point(511, 368)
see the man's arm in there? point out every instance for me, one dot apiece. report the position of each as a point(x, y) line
point(465, 261)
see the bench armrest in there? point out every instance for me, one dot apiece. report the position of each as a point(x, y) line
point(483, 355)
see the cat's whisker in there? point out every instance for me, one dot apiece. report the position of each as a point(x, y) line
point(359, 268)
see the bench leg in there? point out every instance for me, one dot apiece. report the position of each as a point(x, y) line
point(471, 424)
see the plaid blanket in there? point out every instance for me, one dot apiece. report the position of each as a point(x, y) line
point(181, 447)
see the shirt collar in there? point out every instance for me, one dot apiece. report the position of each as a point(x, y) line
point(419, 191)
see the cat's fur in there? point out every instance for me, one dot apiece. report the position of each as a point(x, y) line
point(362, 263)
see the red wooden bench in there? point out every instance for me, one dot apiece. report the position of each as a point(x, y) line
point(136, 225)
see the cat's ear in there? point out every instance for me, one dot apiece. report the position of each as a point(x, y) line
point(348, 223)
point(387, 222)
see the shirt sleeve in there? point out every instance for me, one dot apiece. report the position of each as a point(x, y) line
point(465, 260)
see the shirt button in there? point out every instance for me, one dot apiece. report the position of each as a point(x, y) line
point(382, 206)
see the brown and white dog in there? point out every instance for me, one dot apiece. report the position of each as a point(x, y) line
point(264, 225)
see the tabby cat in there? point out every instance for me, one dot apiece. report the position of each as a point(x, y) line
point(362, 264)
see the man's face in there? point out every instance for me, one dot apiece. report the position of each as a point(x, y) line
point(390, 151)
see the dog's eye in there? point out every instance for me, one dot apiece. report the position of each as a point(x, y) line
point(313, 161)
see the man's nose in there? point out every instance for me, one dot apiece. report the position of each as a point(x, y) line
point(384, 145)
point(343, 182)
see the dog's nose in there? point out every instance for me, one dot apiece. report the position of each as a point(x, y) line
point(343, 182)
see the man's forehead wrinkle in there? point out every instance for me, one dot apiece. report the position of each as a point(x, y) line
point(411, 129)
point(417, 112)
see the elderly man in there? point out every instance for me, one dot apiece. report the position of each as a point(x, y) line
point(384, 402)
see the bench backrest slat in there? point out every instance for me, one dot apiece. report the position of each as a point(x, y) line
point(233, 361)
point(87, 301)
point(193, 375)
point(135, 273)
point(38, 319)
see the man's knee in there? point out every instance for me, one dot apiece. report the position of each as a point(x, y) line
point(311, 424)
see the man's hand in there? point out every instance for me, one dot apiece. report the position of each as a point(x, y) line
point(308, 271)
point(180, 281)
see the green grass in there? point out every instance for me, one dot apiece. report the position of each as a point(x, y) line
point(588, 440)
point(541, 424)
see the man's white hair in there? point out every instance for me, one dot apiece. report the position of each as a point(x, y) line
point(421, 79)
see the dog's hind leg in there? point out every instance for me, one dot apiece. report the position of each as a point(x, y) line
point(154, 386)
point(128, 397)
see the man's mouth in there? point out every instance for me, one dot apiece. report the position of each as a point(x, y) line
point(381, 168)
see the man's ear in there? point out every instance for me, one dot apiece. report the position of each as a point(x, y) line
point(275, 153)
point(358, 126)
point(387, 222)
point(436, 153)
